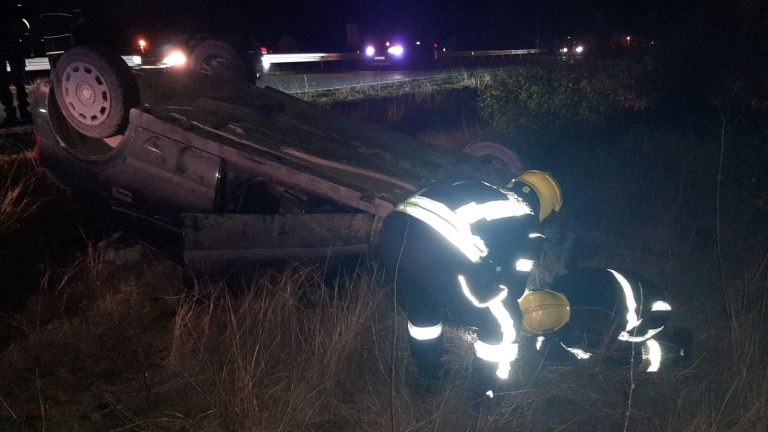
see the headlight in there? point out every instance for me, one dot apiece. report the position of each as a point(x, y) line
point(370, 51)
point(396, 50)
point(579, 49)
point(174, 58)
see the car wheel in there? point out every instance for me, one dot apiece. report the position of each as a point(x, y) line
point(96, 91)
point(217, 59)
point(507, 159)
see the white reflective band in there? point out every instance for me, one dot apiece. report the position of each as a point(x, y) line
point(539, 342)
point(536, 235)
point(578, 353)
point(629, 295)
point(456, 226)
point(625, 336)
point(503, 370)
point(26, 23)
point(654, 355)
point(496, 353)
point(492, 210)
point(505, 352)
point(661, 306)
point(448, 224)
point(468, 294)
point(425, 333)
point(524, 265)
point(489, 393)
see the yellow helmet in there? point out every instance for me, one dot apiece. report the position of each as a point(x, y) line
point(544, 311)
point(546, 188)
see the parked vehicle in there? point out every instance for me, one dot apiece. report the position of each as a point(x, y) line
point(237, 57)
point(243, 172)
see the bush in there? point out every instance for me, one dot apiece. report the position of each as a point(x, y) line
point(560, 95)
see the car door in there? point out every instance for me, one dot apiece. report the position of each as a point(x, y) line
point(168, 174)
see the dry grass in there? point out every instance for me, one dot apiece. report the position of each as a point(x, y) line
point(17, 183)
point(267, 359)
point(84, 345)
point(17, 139)
point(292, 354)
point(110, 347)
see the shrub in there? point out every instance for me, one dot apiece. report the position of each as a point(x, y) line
point(559, 95)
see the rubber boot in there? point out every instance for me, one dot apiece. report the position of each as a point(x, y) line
point(483, 382)
point(427, 356)
point(676, 347)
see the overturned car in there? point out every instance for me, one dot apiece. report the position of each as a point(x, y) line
point(241, 172)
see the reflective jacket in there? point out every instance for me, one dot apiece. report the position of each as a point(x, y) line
point(494, 230)
point(465, 245)
point(609, 306)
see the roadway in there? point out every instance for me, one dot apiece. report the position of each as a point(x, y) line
point(341, 70)
point(453, 63)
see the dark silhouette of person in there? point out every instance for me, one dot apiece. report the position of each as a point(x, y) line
point(13, 30)
point(613, 315)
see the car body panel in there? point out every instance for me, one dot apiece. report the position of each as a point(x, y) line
point(196, 147)
point(216, 242)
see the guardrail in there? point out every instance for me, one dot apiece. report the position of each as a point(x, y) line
point(42, 63)
point(308, 57)
point(492, 53)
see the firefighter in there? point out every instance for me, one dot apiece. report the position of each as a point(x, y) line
point(461, 254)
point(13, 30)
point(591, 311)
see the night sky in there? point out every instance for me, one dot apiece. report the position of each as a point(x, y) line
point(320, 25)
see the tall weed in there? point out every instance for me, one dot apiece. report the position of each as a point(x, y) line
point(17, 181)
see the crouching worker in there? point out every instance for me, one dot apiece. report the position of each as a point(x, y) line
point(461, 254)
point(601, 312)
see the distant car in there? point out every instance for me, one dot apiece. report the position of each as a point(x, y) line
point(236, 57)
point(241, 172)
point(405, 51)
point(571, 48)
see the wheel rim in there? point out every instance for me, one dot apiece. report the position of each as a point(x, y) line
point(86, 94)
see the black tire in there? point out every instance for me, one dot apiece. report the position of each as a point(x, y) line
point(217, 59)
point(506, 158)
point(96, 91)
